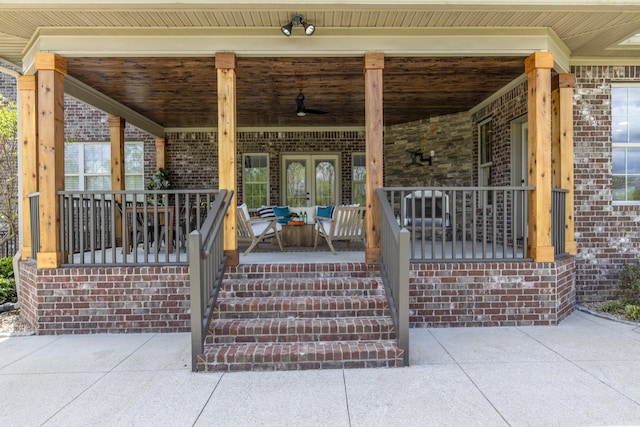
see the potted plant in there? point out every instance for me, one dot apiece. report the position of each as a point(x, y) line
point(159, 181)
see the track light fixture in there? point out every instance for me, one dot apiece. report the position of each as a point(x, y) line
point(297, 20)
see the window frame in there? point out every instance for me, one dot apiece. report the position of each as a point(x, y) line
point(82, 175)
point(622, 145)
point(485, 162)
point(355, 182)
point(265, 202)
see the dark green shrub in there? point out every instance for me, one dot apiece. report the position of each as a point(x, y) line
point(7, 281)
point(629, 284)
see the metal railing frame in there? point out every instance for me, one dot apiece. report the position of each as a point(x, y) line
point(207, 263)
point(88, 228)
point(559, 222)
point(394, 268)
point(482, 220)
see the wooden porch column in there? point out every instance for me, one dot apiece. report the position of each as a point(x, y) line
point(116, 129)
point(538, 68)
point(161, 153)
point(373, 66)
point(51, 71)
point(27, 86)
point(562, 154)
point(226, 73)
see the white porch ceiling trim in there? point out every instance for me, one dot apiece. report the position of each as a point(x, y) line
point(109, 42)
point(87, 94)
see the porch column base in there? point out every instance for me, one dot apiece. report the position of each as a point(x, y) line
point(25, 253)
point(48, 259)
point(233, 256)
point(371, 255)
point(542, 253)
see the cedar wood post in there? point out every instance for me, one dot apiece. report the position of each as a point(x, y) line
point(373, 66)
point(562, 157)
point(226, 73)
point(27, 86)
point(51, 70)
point(116, 129)
point(538, 68)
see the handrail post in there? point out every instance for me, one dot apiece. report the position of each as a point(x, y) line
point(195, 273)
point(402, 300)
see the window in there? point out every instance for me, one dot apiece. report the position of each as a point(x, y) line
point(484, 156)
point(87, 166)
point(255, 180)
point(625, 137)
point(358, 179)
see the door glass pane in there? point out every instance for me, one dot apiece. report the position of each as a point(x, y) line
point(296, 191)
point(325, 182)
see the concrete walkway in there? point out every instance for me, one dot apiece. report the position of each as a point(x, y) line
point(584, 372)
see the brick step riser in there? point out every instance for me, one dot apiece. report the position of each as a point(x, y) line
point(242, 339)
point(287, 356)
point(330, 329)
point(301, 293)
point(300, 275)
point(306, 314)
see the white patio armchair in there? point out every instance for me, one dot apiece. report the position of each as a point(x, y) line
point(346, 224)
point(255, 230)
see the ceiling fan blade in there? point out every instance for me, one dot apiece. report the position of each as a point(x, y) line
point(311, 111)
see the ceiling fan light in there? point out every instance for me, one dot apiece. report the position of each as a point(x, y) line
point(286, 29)
point(301, 113)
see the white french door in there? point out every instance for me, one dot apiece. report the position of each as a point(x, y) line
point(310, 179)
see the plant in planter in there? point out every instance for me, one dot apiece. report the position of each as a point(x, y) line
point(159, 181)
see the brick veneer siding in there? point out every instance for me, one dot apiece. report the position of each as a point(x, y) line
point(491, 294)
point(607, 236)
point(192, 157)
point(449, 136)
point(105, 299)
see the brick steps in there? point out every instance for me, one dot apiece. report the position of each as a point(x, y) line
point(294, 330)
point(301, 316)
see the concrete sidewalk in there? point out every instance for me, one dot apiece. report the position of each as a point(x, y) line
point(584, 372)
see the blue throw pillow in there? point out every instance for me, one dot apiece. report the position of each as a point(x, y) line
point(324, 211)
point(282, 211)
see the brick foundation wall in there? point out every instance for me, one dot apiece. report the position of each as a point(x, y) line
point(491, 294)
point(105, 299)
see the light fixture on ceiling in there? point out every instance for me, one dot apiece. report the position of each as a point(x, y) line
point(297, 20)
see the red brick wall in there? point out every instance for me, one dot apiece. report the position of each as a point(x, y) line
point(491, 294)
point(105, 299)
point(193, 156)
point(607, 236)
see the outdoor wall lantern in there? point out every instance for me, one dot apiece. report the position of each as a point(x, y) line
point(297, 20)
point(417, 156)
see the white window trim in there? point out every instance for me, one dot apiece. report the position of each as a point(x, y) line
point(622, 144)
point(267, 201)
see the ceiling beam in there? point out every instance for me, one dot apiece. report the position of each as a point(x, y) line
point(87, 94)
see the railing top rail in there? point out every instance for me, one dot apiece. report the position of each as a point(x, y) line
point(125, 192)
point(499, 188)
point(560, 190)
point(213, 224)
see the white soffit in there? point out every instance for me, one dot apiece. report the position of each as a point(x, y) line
point(103, 42)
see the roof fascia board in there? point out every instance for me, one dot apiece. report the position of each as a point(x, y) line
point(317, 4)
point(76, 89)
point(105, 42)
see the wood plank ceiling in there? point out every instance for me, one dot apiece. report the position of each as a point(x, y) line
point(181, 92)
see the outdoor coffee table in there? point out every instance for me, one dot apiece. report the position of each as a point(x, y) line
point(297, 235)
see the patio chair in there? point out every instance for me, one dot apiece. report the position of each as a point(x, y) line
point(346, 224)
point(425, 209)
point(255, 230)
